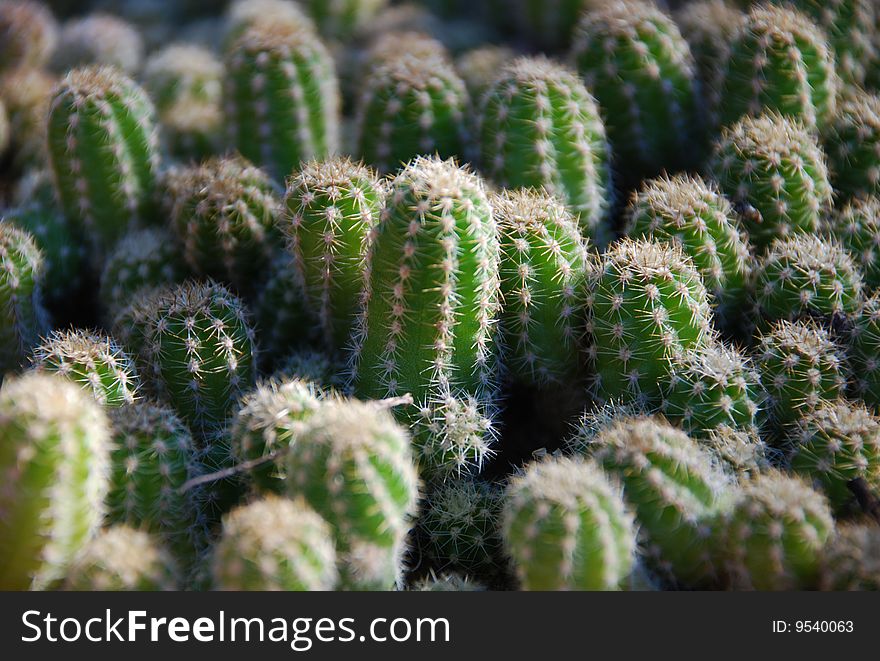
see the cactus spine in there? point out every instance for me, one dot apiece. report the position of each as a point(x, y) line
point(852, 141)
point(864, 352)
point(856, 227)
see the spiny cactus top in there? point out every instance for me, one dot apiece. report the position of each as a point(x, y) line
point(447, 583)
point(411, 105)
point(540, 127)
point(242, 14)
point(331, 208)
point(395, 44)
point(274, 544)
point(543, 270)
point(28, 34)
point(645, 304)
point(852, 141)
point(851, 559)
point(566, 527)
point(342, 18)
point(742, 453)
point(26, 93)
point(431, 288)
point(856, 227)
point(282, 96)
point(92, 360)
point(54, 465)
point(776, 165)
point(99, 39)
point(864, 351)
point(634, 59)
point(103, 152)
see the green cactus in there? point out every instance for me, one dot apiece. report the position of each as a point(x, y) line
point(742, 453)
point(646, 304)
point(274, 544)
point(131, 327)
point(282, 316)
point(99, 39)
point(26, 93)
point(864, 352)
point(331, 208)
point(54, 462)
point(448, 583)
point(103, 152)
point(850, 559)
point(856, 227)
point(639, 67)
point(343, 18)
point(852, 141)
point(352, 463)
point(566, 527)
point(28, 34)
point(774, 164)
point(122, 559)
point(539, 126)
point(772, 536)
point(282, 96)
point(431, 289)
point(479, 67)
point(313, 366)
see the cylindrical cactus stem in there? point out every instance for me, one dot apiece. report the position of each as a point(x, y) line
point(540, 127)
point(92, 360)
point(772, 536)
point(412, 105)
point(479, 67)
point(430, 289)
point(566, 527)
point(352, 464)
point(54, 460)
point(131, 327)
point(103, 152)
point(28, 34)
point(852, 142)
point(282, 96)
point(856, 227)
point(225, 213)
point(639, 67)
point(22, 318)
point(330, 210)
point(123, 559)
point(646, 303)
point(343, 18)
point(324, 371)
point(274, 544)
point(864, 352)
point(543, 270)
point(851, 559)
point(774, 164)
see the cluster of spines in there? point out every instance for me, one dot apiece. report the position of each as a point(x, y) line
point(852, 143)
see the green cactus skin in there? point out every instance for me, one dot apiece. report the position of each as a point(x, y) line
point(566, 527)
point(852, 141)
point(343, 18)
point(543, 271)
point(850, 559)
point(646, 304)
point(267, 422)
point(806, 275)
point(448, 583)
point(772, 536)
point(274, 544)
point(122, 559)
point(856, 226)
point(27, 93)
point(411, 105)
point(709, 387)
point(28, 34)
point(687, 211)
point(639, 67)
point(777, 61)
point(54, 461)
point(540, 127)
point(93, 361)
point(836, 443)
point(675, 488)
point(331, 208)
point(460, 525)
point(479, 67)
point(430, 290)
point(103, 152)
point(22, 318)
point(147, 258)
point(775, 165)
point(282, 317)
point(313, 366)
point(864, 353)
point(282, 97)
point(352, 464)
point(800, 367)
point(225, 213)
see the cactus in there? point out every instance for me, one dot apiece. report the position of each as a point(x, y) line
point(331, 208)
point(282, 316)
point(282, 96)
point(28, 34)
point(543, 270)
point(99, 39)
point(313, 366)
point(864, 352)
point(431, 289)
point(646, 304)
point(122, 559)
point(566, 526)
point(777, 61)
point(448, 583)
point(131, 327)
point(837, 443)
point(539, 126)
point(479, 67)
point(225, 214)
point(4, 129)
point(26, 94)
point(274, 544)
point(343, 18)
point(411, 105)
point(775, 165)
point(742, 453)
point(772, 536)
point(548, 25)
point(103, 152)
point(244, 14)
point(54, 462)
point(22, 318)
point(800, 367)
point(852, 141)
point(856, 227)
point(143, 259)
point(352, 463)
point(850, 559)
point(635, 61)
